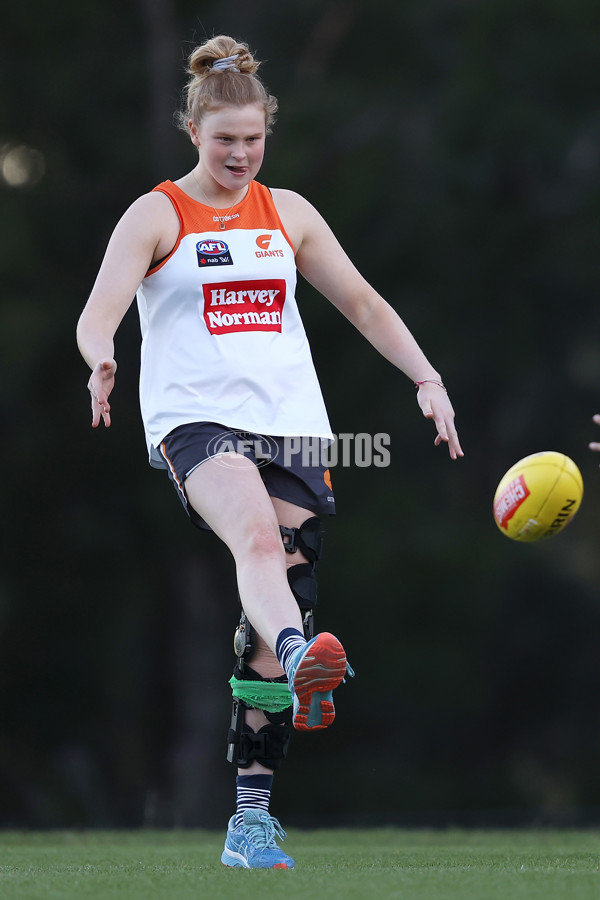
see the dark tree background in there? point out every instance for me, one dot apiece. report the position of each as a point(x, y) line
point(454, 147)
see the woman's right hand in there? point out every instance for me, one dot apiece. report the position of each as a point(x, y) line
point(101, 383)
point(595, 445)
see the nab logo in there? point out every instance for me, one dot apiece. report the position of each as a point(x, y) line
point(213, 252)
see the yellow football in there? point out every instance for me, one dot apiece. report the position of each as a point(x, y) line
point(538, 496)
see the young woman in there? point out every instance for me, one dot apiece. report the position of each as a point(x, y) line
point(228, 387)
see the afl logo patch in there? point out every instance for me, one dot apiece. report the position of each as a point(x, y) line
point(213, 252)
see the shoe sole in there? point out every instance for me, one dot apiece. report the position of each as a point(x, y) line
point(234, 860)
point(320, 671)
point(237, 861)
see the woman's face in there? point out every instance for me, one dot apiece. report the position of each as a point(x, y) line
point(231, 144)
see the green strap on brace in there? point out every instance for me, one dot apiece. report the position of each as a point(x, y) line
point(270, 696)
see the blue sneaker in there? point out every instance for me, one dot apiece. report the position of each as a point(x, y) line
point(316, 670)
point(252, 845)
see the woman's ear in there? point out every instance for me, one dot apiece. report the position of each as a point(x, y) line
point(194, 136)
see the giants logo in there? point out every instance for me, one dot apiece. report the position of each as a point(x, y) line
point(263, 241)
point(235, 306)
point(513, 495)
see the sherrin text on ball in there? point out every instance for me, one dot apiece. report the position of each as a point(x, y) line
point(538, 496)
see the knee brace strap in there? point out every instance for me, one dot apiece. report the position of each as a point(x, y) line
point(308, 538)
point(302, 579)
point(268, 746)
point(303, 582)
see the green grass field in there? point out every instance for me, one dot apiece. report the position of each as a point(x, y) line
point(336, 864)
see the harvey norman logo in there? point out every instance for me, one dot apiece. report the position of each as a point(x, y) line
point(237, 306)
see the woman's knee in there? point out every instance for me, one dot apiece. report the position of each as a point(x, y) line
point(262, 540)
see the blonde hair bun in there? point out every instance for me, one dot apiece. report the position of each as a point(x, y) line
point(202, 59)
point(235, 83)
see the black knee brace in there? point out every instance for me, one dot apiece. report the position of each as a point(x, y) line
point(303, 582)
point(302, 578)
point(269, 744)
point(308, 538)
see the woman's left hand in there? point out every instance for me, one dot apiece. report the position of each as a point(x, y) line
point(435, 404)
point(101, 383)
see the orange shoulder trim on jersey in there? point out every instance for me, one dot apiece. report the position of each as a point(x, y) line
point(256, 210)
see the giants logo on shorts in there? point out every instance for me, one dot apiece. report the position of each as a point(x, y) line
point(235, 306)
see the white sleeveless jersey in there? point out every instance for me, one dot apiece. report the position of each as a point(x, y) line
point(222, 337)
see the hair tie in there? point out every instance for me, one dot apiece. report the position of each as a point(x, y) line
point(225, 64)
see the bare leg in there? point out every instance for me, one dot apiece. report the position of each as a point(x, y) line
point(233, 500)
